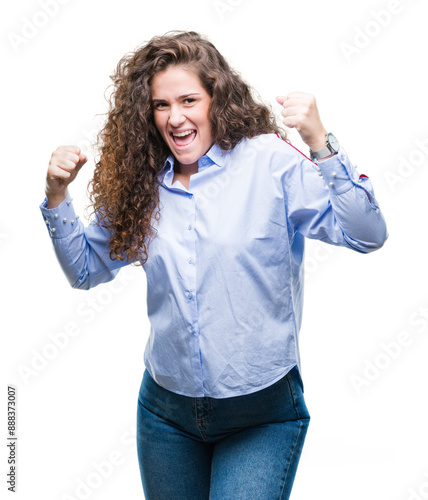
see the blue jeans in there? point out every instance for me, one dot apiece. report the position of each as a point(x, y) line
point(240, 448)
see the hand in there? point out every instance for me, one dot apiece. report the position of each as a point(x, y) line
point(300, 112)
point(64, 165)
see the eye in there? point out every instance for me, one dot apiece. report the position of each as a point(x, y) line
point(189, 100)
point(160, 105)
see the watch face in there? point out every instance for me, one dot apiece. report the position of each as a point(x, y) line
point(334, 143)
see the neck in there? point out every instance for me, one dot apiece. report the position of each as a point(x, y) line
point(185, 169)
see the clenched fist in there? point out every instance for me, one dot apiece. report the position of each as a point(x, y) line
point(64, 165)
point(300, 112)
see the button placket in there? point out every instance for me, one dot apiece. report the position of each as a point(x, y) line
point(191, 269)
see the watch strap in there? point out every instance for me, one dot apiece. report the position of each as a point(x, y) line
point(327, 150)
point(322, 153)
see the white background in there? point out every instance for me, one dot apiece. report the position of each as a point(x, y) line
point(79, 407)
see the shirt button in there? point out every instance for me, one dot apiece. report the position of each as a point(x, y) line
point(190, 261)
point(190, 296)
point(189, 227)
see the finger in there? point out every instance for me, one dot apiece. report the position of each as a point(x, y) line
point(82, 160)
point(68, 156)
point(305, 101)
point(65, 164)
point(70, 148)
point(294, 102)
point(290, 121)
point(83, 157)
point(67, 159)
point(62, 156)
point(281, 99)
point(58, 173)
point(290, 111)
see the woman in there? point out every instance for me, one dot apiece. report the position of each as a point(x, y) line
point(196, 183)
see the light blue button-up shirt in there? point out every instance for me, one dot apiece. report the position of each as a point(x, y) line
point(225, 271)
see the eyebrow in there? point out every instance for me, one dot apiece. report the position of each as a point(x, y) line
point(184, 96)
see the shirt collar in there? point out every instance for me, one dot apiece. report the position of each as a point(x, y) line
point(215, 153)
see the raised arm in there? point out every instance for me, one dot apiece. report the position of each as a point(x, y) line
point(328, 199)
point(82, 252)
point(331, 202)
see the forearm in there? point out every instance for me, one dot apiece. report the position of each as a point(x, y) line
point(355, 207)
point(54, 200)
point(82, 253)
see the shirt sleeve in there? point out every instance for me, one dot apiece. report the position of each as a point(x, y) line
point(331, 202)
point(82, 252)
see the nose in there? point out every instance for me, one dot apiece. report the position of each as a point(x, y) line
point(176, 117)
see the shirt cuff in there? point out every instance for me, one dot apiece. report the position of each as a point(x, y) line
point(60, 221)
point(338, 172)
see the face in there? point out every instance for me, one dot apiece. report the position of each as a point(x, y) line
point(181, 105)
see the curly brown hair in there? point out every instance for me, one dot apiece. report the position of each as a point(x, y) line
point(125, 186)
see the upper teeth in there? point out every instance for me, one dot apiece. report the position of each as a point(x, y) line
point(183, 134)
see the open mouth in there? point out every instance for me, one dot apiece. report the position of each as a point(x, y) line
point(183, 139)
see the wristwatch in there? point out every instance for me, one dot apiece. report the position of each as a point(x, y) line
point(332, 147)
